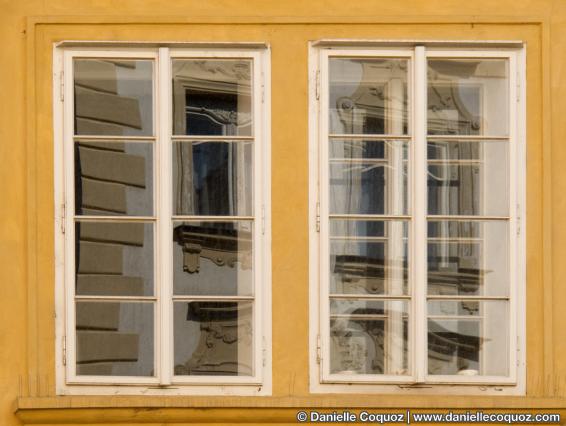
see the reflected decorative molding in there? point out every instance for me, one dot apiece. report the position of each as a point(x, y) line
point(221, 116)
point(225, 339)
point(224, 247)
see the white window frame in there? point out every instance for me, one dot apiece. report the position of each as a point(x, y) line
point(164, 382)
point(321, 381)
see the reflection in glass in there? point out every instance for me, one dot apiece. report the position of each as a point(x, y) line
point(213, 258)
point(369, 257)
point(468, 97)
point(114, 339)
point(114, 259)
point(114, 178)
point(468, 178)
point(370, 185)
point(212, 178)
point(213, 338)
point(468, 258)
point(356, 149)
point(369, 337)
point(368, 96)
point(468, 338)
point(113, 97)
point(212, 97)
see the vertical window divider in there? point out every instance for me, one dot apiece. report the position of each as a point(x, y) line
point(69, 203)
point(419, 234)
point(324, 221)
point(514, 213)
point(164, 325)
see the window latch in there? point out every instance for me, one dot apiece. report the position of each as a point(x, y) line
point(63, 217)
point(318, 350)
point(64, 350)
point(62, 86)
point(317, 217)
point(317, 85)
point(263, 219)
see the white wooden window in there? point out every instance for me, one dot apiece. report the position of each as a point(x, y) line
point(162, 206)
point(417, 243)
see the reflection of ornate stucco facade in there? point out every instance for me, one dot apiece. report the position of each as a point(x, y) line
point(27, 255)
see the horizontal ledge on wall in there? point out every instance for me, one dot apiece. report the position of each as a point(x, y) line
point(171, 44)
point(358, 43)
point(255, 415)
point(290, 20)
point(313, 401)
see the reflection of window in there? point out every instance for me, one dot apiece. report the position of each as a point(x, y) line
point(166, 223)
point(418, 214)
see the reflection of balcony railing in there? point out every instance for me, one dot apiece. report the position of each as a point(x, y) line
point(221, 246)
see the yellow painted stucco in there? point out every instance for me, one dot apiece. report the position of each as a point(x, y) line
point(28, 29)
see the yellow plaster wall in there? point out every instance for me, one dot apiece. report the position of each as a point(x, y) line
point(29, 27)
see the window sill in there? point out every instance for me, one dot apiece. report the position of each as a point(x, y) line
point(119, 409)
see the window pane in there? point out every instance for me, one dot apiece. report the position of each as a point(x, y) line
point(468, 97)
point(114, 339)
point(113, 97)
point(468, 258)
point(212, 97)
point(468, 338)
point(369, 257)
point(114, 178)
point(372, 185)
point(367, 149)
point(468, 178)
point(213, 258)
point(114, 259)
point(368, 96)
point(369, 337)
point(212, 178)
point(213, 338)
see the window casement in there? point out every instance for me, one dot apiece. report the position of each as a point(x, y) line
point(162, 172)
point(417, 246)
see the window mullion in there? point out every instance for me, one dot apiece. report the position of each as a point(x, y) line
point(164, 326)
point(419, 215)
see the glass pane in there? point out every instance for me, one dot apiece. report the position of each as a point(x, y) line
point(369, 337)
point(468, 97)
point(368, 96)
point(114, 339)
point(212, 97)
point(468, 338)
point(468, 178)
point(367, 149)
point(113, 97)
point(213, 258)
point(373, 185)
point(212, 178)
point(213, 338)
point(468, 258)
point(369, 257)
point(114, 178)
point(114, 259)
